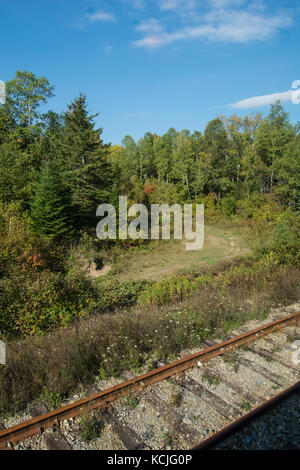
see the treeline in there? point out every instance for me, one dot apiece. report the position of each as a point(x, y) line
point(236, 162)
point(57, 168)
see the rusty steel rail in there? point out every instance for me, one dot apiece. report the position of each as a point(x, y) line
point(17, 433)
point(242, 422)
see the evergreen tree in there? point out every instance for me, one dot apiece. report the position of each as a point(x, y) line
point(85, 162)
point(51, 210)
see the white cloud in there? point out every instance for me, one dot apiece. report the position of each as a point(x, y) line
point(174, 4)
point(264, 100)
point(150, 26)
point(235, 21)
point(226, 3)
point(235, 27)
point(101, 15)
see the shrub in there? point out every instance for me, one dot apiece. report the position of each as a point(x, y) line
point(228, 205)
point(275, 236)
point(89, 427)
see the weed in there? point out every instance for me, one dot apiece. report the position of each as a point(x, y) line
point(232, 360)
point(176, 399)
point(167, 438)
point(54, 400)
point(132, 401)
point(245, 405)
point(210, 378)
point(89, 427)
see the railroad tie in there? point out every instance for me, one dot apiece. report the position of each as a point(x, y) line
point(128, 436)
point(250, 397)
point(54, 439)
point(271, 376)
point(269, 355)
point(172, 417)
point(286, 346)
point(220, 405)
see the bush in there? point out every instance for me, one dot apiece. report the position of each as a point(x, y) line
point(116, 295)
point(275, 235)
point(228, 205)
point(48, 301)
point(54, 300)
point(285, 240)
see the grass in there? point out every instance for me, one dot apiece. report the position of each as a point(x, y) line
point(105, 345)
point(160, 259)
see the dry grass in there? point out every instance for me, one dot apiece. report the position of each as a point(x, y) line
point(57, 364)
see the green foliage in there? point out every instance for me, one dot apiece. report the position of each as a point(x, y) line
point(116, 295)
point(49, 300)
point(54, 400)
point(170, 290)
point(51, 210)
point(21, 250)
point(90, 428)
point(275, 234)
point(285, 242)
point(25, 93)
point(228, 205)
point(84, 162)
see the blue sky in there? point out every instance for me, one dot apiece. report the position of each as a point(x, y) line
point(147, 65)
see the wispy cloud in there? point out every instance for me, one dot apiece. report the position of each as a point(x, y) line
point(235, 21)
point(150, 26)
point(226, 3)
point(101, 15)
point(108, 48)
point(175, 4)
point(237, 27)
point(264, 100)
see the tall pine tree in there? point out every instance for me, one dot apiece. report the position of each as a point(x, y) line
point(51, 210)
point(85, 162)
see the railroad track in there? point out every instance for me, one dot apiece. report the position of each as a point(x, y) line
point(179, 404)
point(232, 434)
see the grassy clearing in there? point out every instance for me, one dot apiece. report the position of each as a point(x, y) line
point(163, 258)
point(58, 364)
